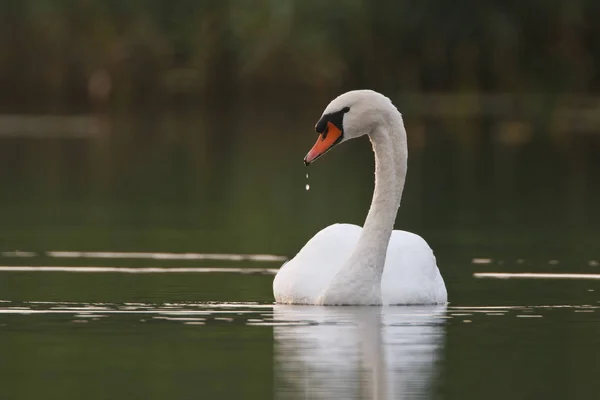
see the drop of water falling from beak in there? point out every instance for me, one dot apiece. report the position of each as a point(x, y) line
point(307, 185)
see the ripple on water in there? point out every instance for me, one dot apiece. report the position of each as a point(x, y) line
point(256, 314)
point(146, 255)
point(139, 270)
point(188, 313)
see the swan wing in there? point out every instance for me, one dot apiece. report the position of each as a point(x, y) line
point(304, 278)
point(411, 275)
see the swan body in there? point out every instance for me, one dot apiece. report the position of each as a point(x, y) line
point(410, 275)
point(345, 264)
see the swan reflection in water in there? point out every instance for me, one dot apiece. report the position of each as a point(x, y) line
point(357, 352)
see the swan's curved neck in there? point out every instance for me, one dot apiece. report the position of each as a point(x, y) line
point(389, 146)
point(360, 277)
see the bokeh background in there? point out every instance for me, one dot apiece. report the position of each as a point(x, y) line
point(181, 126)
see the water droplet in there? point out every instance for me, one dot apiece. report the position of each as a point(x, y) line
point(306, 176)
point(307, 187)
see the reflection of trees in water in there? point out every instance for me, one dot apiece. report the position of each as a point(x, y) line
point(236, 172)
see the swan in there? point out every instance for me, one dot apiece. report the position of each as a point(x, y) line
point(345, 264)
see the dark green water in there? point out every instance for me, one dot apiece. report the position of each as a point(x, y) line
point(193, 183)
point(167, 336)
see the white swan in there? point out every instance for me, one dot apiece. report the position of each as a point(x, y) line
point(344, 264)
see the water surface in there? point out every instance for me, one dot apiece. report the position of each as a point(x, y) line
point(166, 335)
point(138, 262)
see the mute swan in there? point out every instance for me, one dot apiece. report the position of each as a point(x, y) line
point(345, 264)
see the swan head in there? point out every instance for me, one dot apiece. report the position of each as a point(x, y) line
point(348, 116)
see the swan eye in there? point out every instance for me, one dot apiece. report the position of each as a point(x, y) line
point(336, 118)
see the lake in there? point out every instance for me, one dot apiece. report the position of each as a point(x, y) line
point(167, 335)
point(137, 261)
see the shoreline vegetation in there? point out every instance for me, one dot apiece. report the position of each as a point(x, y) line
point(66, 56)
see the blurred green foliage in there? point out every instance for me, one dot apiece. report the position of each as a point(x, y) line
point(66, 53)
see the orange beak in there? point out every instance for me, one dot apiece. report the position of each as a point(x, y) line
point(331, 136)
